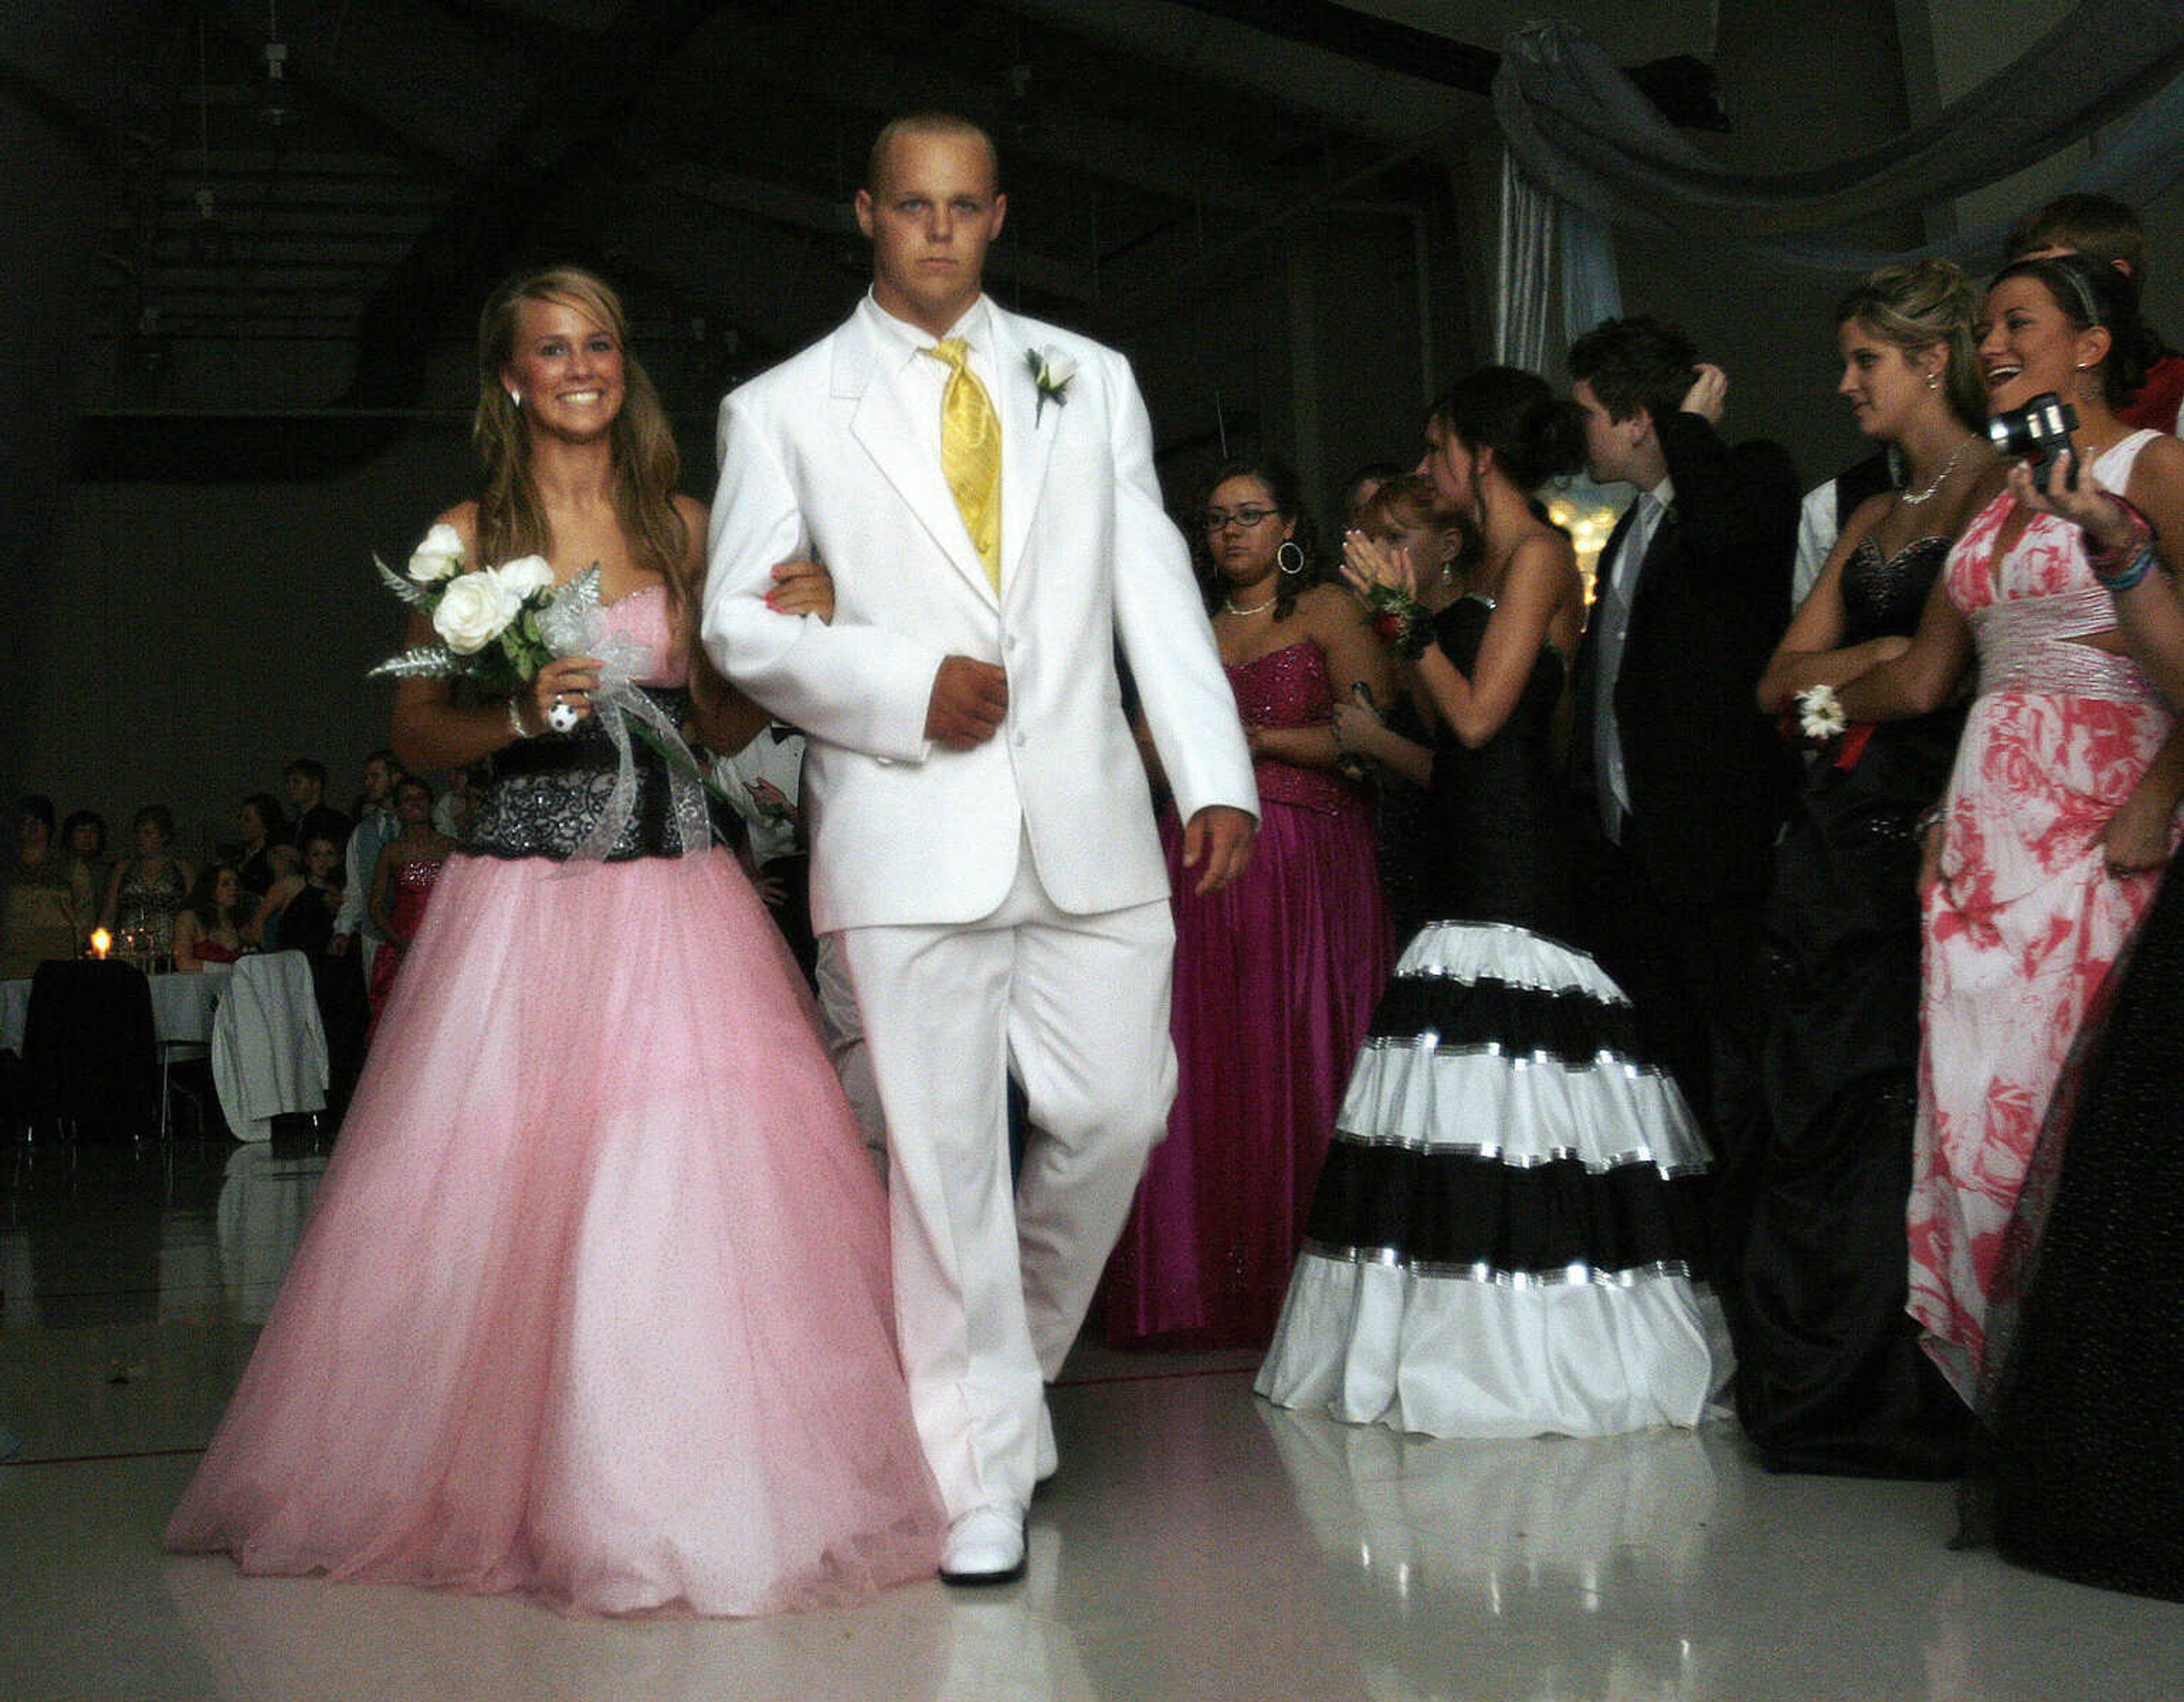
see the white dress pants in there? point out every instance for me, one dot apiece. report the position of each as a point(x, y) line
point(991, 1287)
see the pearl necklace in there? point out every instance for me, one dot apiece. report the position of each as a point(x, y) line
point(1229, 604)
point(1912, 498)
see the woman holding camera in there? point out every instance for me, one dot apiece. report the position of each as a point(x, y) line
point(2060, 806)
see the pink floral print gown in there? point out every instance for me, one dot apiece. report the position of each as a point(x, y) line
point(2025, 922)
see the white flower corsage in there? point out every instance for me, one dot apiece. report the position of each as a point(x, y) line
point(1051, 369)
point(1820, 715)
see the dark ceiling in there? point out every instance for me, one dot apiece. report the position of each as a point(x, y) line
point(306, 198)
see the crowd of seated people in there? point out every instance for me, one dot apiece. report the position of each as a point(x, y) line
point(294, 878)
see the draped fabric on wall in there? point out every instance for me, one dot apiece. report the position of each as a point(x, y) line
point(1580, 132)
point(1525, 276)
point(1537, 229)
point(1591, 289)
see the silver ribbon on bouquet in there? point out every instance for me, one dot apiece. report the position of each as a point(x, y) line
point(573, 623)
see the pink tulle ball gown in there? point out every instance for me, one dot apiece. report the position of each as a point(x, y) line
point(594, 1303)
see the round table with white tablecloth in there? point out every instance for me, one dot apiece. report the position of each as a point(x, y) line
point(269, 1053)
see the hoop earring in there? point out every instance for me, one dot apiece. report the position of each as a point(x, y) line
point(1289, 558)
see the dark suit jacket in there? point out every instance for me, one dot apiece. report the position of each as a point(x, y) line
point(1708, 777)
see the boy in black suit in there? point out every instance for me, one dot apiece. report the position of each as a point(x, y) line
point(1679, 781)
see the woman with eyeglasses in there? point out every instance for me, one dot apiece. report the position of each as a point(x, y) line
point(1275, 976)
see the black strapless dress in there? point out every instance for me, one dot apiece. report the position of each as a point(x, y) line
point(1498, 811)
point(1410, 848)
point(1507, 1238)
point(1829, 1375)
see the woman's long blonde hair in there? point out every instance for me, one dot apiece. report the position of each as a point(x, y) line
point(511, 519)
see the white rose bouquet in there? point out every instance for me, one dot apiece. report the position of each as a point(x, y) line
point(492, 622)
point(497, 627)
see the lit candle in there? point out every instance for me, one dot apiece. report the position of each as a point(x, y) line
point(101, 942)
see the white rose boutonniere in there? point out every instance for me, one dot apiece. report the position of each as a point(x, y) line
point(474, 611)
point(440, 556)
point(1051, 369)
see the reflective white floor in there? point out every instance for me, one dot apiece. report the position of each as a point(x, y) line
point(1197, 1544)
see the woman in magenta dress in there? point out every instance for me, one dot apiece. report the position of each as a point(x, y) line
point(402, 882)
point(2062, 800)
point(593, 1301)
point(1275, 977)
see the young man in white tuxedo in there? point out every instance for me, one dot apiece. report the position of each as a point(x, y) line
point(981, 823)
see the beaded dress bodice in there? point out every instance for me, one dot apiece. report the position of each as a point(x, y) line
point(1289, 688)
point(1885, 594)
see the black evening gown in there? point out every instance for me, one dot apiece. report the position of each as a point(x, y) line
point(1829, 1375)
point(1410, 849)
point(1507, 1238)
point(2086, 1401)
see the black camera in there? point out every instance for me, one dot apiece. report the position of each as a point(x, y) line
point(2035, 432)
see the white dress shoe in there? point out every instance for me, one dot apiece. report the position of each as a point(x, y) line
point(985, 1546)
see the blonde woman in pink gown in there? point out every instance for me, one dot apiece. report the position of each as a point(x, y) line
point(594, 1303)
point(2060, 809)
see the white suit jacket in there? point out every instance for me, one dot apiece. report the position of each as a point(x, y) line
point(821, 456)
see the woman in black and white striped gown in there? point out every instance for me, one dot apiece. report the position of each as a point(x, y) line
point(1507, 1238)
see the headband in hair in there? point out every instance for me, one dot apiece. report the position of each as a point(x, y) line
point(2078, 287)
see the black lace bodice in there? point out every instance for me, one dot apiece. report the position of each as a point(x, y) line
point(547, 792)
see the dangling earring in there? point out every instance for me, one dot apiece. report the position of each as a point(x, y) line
point(1933, 380)
point(516, 399)
point(1289, 558)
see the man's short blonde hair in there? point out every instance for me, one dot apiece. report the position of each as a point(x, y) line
point(924, 124)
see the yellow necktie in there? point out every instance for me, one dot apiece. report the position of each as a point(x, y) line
point(971, 453)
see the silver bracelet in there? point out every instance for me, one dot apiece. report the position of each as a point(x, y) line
point(516, 720)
